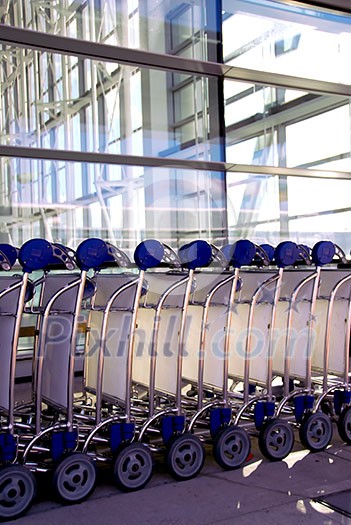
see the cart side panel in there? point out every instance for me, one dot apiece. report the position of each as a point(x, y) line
point(8, 309)
point(56, 354)
point(91, 354)
point(7, 325)
point(141, 363)
point(116, 355)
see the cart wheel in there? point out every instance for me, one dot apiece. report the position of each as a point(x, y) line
point(74, 478)
point(344, 425)
point(316, 431)
point(276, 439)
point(17, 491)
point(133, 467)
point(231, 447)
point(185, 457)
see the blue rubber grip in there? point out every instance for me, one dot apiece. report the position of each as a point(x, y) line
point(286, 254)
point(149, 254)
point(243, 253)
point(268, 248)
point(8, 256)
point(323, 253)
point(91, 254)
point(195, 254)
point(35, 254)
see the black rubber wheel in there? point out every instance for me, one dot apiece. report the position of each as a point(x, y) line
point(344, 425)
point(74, 479)
point(185, 457)
point(18, 489)
point(231, 447)
point(276, 439)
point(316, 431)
point(133, 467)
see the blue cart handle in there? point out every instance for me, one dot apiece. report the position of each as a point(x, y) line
point(8, 256)
point(35, 254)
point(240, 253)
point(262, 254)
point(150, 254)
point(286, 254)
point(92, 254)
point(323, 252)
point(269, 250)
point(196, 254)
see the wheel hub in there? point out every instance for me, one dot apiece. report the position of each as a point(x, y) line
point(12, 493)
point(133, 467)
point(75, 478)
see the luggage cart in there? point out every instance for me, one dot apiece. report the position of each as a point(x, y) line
point(45, 286)
point(315, 427)
point(255, 364)
point(51, 444)
point(231, 444)
point(334, 362)
point(119, 408)
point(166, 425)
point(113, 280)
point(17, 483)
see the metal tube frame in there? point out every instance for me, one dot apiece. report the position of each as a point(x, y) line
point(248, 345)
point(178, 396)
point(39, 373)
point(287, 358)
point(234, 278)
point(328, 334)
point(100, 370)
point(154, 341)
point(315, 277)
point(129, 366)
point(20, 307)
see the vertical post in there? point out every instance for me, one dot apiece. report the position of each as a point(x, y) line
point(73, 344)
point(277, 290)
point(131, 338)
point(227, 335)
point(181, 344)
point(311, 324)
point(20, 306)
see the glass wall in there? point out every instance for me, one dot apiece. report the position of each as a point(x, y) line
point(123, 204)
point(286, 38)
point(174, 119)
point(165, 26)
point(284, 130)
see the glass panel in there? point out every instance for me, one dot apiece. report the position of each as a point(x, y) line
point(253, 206)
point(280, 127)
point(331, 137)
point(70, 201)
point(305, 210)
point(166, 26)
point(120, 110)
point(282, 38)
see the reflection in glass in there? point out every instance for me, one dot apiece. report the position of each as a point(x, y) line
point(276, 208)
point(70, 201)
point(162, 27)
point(65, 103)
point(280, 127)
point(283, 38)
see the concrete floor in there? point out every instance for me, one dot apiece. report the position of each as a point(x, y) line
point(262, 492)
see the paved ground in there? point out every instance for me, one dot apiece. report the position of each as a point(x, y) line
point(262, 492)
